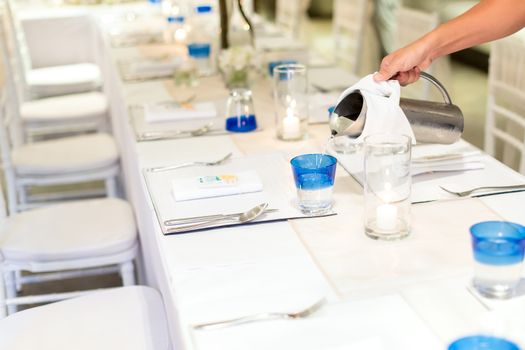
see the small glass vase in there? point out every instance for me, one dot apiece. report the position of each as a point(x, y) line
point(237, 79)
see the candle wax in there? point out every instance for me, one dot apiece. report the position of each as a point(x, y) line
point(386, 217)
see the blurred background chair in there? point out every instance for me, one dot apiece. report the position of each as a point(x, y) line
point(505, 124)
point(45, 81)
point(356, 47)
point(131, 318)
point(62, 241)
point(411, 24)
point(53, 116)
point(290, 15)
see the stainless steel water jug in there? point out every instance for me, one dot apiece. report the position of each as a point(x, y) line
point(432, 122)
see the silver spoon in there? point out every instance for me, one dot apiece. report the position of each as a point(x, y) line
point(183, 165)
point(242, 218)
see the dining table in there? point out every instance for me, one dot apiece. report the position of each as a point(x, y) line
point(413, 293)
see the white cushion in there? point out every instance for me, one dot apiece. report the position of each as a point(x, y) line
point(127, 318)
point(65, 155)
point(61, 80)
point(65, 108)
point(70, 230)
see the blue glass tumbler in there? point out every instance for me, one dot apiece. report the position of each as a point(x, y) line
point(314, 176)
point(498, 249)
point(240, 115)
point(482, 342)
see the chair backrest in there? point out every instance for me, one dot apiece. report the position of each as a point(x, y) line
point(505, 124)
point(290, 15)
point(348, 27)
point(18, 52)
point(410, 25)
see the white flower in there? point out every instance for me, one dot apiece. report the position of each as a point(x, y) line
point(236, 58)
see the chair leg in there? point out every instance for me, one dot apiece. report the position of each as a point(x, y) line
point(3, 310)
point(127, 273)
point(10, 290)
point(22, 195)
point(111, 187)
point(18, 280)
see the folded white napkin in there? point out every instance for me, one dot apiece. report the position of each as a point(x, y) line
point(216, 185)
point(383, 114)
point(166, 112)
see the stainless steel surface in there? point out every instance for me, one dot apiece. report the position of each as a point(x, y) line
point(195, 219)
point(243, 218)
point(495, 188)
point(263, 316)
point(431, 122)
point(183, 165)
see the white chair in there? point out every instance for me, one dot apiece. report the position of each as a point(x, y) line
point(69, 160)
point(52, 80)
point(348, 26)
point(60, 241)
point(505, 124)
point(290, 15)
point(130, 318)
point(54, 116)
point(410, 25)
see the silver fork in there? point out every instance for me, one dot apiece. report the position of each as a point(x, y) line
point(263, 316)
point(469, 192)
point(183, 165)
point(159, 135)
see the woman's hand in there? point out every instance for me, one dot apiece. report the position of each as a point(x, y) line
point(406, 63)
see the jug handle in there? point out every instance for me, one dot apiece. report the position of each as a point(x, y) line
point(437, 84)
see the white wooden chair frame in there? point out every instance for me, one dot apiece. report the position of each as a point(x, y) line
point(348, 27)
point(506, 78)
point(290, 15)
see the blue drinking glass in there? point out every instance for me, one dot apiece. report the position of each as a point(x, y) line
point(313, 171)
point(240, 115)
point(498, 242)
point(273, 64)
point(314, 176)
point(482, 342)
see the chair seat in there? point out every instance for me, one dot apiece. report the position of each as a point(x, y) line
point(65, 155)
point(66, 108)
point(131, 318)
point(66, 79)
point(70, 230)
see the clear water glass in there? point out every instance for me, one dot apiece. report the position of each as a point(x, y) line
point(290, 92)
point(314, 176)
point(498, 249)
point(387, 186)
point(185, 82)
point(240, 114)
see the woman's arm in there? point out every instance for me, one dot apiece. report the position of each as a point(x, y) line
point(486, 21)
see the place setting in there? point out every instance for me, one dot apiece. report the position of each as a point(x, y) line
point(251, 189)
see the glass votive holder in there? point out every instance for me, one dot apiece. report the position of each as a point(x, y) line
point(482, 342)
point(498, 248)
point(290, 93)
point(314, 176)
point(273, 64)
point(201, 54)
point(240, 115)
point(387, 186)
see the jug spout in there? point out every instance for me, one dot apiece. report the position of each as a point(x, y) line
point(431, 122)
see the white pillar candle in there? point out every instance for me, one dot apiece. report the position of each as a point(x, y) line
point(291, 126)
point(386, 217)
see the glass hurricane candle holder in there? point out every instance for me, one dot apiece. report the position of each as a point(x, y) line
point(387, 186)
point(290, 93)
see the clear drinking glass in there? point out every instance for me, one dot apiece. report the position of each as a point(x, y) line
point(498, 248)
point(185, 81)
point(314, 176)
point(290, 94)
point(387, 186)
point(240, 114)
